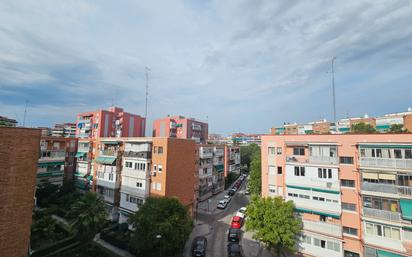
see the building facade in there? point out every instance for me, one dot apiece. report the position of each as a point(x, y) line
point(232, 160)
point(57, 160)
point(7, 122)
point(64, 130)
point(90, 127)
point(181, 127)
point(19, 153)
point(352, 192)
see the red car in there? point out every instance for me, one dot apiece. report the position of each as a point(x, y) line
point(237, 222)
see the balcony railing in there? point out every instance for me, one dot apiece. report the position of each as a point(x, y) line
point(382, 188)
point(206, 154)
point(323, 227)
point(140, 154)
point(108, 152)
point(134, 191)
point(324, 160)
point(108, 183)
point(386, 163)
point(54, 155)
point(298, 159)
point(405, 191)
point(381, 214)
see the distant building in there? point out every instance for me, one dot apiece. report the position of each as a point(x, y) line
point(245, 139)
point(6, 122)
point(57, 160)
point(90, 127)
point(181, 127)
point(64, 130)
point(19, 153)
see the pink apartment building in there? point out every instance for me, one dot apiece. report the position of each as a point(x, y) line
point(181, 127)
point(90, 127)
point(353, 192)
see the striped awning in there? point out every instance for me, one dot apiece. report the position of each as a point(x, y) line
point(106, 160)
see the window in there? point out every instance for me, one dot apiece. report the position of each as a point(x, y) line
point(350, 231)
point(307, 239)
point(350, 254)
point(158, 186)
point(299, 171)
point(155, 167)
point(111, 176)
point(279, 170)
point(408, 154)
point(323, 243)
point(397, 153)
point(383, 231)
point(159, 168)
point(347, 183)
point(128, 164)
point(298, 151)
point(279, 150)
point(160, 150)
point(324, 173)
point(346, 160)
point(348, 206)
point(271, 150)
point(304, 196)
point(139, 184)
point(322, 199)
point(322, 218)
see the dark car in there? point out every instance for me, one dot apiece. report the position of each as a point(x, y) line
point(234, 235)
point(199, 246)
point(234, 250)
point(231, 192)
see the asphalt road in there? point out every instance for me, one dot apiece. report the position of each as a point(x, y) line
point(214, 224)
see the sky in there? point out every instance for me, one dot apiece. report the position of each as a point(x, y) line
point(243, 66)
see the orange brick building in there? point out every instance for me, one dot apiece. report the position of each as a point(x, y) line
point(19, 153)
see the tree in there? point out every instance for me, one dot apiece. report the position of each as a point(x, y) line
point(362, 128)
point(255, 181)
point(46, 194)
point(273, 222)
point(162, 227)
point(398, 128)
point(89, 215)
point(247, 152)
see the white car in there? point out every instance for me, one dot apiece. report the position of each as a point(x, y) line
point(227, 198)
point(241, 212)
point(242, 209)
point(222, 204)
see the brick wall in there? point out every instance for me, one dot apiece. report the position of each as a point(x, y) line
point(19, 152)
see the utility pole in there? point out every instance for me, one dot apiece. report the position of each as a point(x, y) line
point(25, 112)
point(333, 89)
point(147, 94)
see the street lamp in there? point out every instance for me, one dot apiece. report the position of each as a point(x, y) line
point(158, 238)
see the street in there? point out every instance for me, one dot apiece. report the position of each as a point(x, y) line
point(214, 224)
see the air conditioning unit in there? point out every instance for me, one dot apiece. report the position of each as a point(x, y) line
point(329, 184)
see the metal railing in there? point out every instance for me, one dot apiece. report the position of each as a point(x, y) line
point(299, 159)
point(381, 214)
point(108, 152)
point(386, 162)
point(323, 227)
point(382, 188)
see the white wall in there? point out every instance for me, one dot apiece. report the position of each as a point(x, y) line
point(310, 248)
point(311, 178)
point(328, 207)
point(138, 147)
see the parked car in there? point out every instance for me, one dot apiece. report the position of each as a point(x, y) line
point(234, 250)
point(242, 209)
point(231, 192)
point(222, 204)
point(234, 235)
point(241, 212)
point(237, 222)
point(234, 188)
point(247, 192)
point(227, 198)
point(199, 246)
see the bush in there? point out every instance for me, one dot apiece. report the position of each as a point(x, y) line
point(116, 238)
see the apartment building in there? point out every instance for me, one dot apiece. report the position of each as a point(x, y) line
point(384, 123)
point(129, 169)
point(218, 174)
point(232, 160)
point(7, 122)
point(19, 153)
point(245, 139)
point(64, 130)
point(181, 127)
point(57, 160)
point(90, 127)
point(205, 164)
point(352, 192)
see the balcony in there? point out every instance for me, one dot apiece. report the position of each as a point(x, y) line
point(405, 191)
point(381, 188)
point(205, 154)
point(140, 154)
point(134, 191)
point(53, 156)
point(297, 159)
point(108, 152)
point(324, 160)
point(107, 198)
point(323, 227)
point(386, 163)
point(381, 214)
point(108, 184)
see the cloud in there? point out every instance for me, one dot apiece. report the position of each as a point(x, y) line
point(246, 65)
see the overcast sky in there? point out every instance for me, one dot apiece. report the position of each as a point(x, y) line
point(243, 65)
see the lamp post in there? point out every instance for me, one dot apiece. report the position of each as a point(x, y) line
point(158, 238)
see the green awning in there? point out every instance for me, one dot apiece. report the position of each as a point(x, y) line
point(50, 164)
point(90, 178)
point(109, 142)
point(50, 174)
point(80, 154)
point(106, 160)
point(406, 207)
point(219, 168)
point(382, 253)
point(382, 127)
point(400, 146)
point(336, 216)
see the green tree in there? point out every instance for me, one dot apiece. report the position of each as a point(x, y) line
point(362, 128)
point(246, 154)
point(162, 227)
point(255, 181)
point(398, 128)
point(89, 215)
point(273, 222)
point(46, 194)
